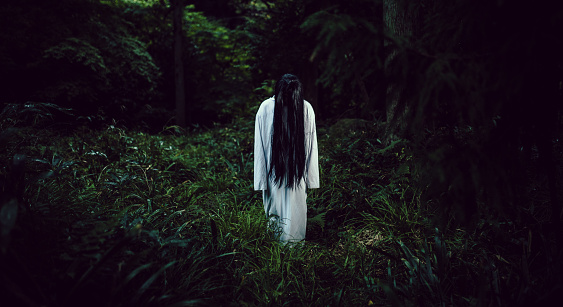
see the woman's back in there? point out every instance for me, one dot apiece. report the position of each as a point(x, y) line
point(279, 171)
point(263, 145)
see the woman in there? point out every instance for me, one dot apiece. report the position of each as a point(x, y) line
point(286, 158)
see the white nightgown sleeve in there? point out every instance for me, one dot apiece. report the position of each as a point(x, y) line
point(260, 171)
point(312, 162)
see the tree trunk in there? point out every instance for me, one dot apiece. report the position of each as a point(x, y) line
point(309, 68)
point(180, 97)
point(398, 21)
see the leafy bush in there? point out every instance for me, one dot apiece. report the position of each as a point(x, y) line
point(85, 57)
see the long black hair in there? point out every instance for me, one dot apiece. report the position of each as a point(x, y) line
point(288, 137)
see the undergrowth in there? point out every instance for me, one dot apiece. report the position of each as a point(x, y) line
point(114, 217)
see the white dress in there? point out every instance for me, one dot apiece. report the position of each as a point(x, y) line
point(286, 208)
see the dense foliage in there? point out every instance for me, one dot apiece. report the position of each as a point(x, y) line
point(439, 137)
point(481, 92)
point(74, 53)
point(114, 59)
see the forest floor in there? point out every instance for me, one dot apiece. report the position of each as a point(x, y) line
point(113, 217)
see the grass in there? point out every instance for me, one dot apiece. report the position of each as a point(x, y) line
point(114, 217)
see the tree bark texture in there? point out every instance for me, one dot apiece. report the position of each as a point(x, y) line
point(399, 20)
point(180, 95)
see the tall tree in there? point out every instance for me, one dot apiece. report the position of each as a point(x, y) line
point(180, 97)
point(399, 24)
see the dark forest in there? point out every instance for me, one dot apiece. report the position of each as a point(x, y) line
point(126, 161)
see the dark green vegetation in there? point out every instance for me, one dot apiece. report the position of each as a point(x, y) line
point(116, 217)
point(447, 191)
